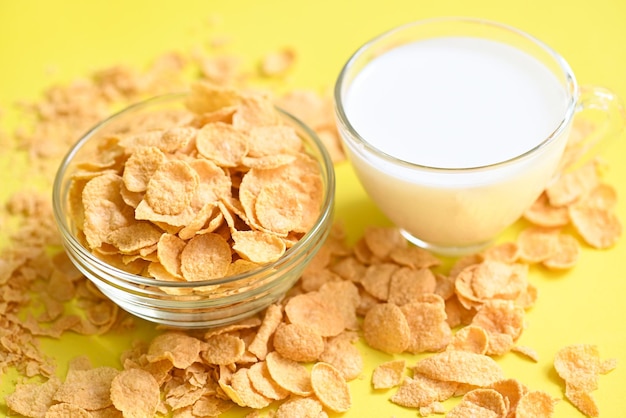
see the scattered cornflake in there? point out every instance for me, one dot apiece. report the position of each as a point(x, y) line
point(330, 387)
point(600, 227)
point(537, 244)
point(542, 213)
point(480, 403)
point(535, 403)
point(503, 321)
point(342, 353)
point(277, 63)
point(580, 366)
point(298, 407)
point(461, 367)
point(135, 393)
point(470, 338)
point(386, 328)
point(389, 374)
point(512, 390)
point(34, 399)
point(565, 255)
point(298, 342)
point(426, 318)
point(87, 389)
point(420, 391)
point(289, 375)
point(179, 348)
point(527, 351)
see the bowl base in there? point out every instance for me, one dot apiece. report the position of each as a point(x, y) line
point(450, 251)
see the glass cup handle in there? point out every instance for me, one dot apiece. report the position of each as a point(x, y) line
point(609, 117)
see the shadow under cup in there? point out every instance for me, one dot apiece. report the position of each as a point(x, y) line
point(461, 209)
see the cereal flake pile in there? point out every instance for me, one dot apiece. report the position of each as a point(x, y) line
point(217, 188)
point(298, 355)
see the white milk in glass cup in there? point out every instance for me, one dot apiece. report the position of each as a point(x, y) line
point(455, 126)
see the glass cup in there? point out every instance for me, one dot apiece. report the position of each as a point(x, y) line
point(458, 207)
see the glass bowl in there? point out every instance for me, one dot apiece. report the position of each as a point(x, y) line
point(197, 304)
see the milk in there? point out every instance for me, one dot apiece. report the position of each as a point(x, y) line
point(455, 104)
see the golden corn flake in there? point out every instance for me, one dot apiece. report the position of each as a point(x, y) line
point(87, 389)
point(529, 352)
point(169, 249)
point(426, 318)
point(277, 208)
point(542, 213)
point(537, 244)
point(344, 295)
point(488, 280)
point(63, 410)
point(210, 406)
point(407, 284)
point(132, 238)
point(507, 252)
point(383, 240)
point(171, 188)
point(420, 391)
point(414, 257)
point(470, 338)
point(33, 400)
point(136, 393)
point(278, 63)
point(580, 367)
point(300, 407)
point(342, 353)
point(222, 143)
point(223, 349)
point(288, 374)
point(386, 328)
point(317, 312)
point(512, 390)
point(461, 367)
point(572, 185)
point(598, 226)
point(298, 342)
point(480, 403)
point(181, 349)
point(272, 319)
point(535, 403)
point(377, 279)
point(565, 254)
point(263, 383)
point(104, 210)
point(258, 246)
point(248, 396)
point(205, 257)
point(602, 196)
point(503, 321)
point(330, 387)
point(389, 374)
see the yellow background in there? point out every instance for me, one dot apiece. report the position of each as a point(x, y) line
point(43, 42)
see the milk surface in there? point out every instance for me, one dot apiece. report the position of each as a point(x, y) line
point(455, 102)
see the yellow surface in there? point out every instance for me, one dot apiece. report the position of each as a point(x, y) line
point(42, 42)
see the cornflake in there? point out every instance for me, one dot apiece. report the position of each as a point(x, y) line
point(199, 189)
point(330, 387)
point(580, 367)
point(389, 374)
